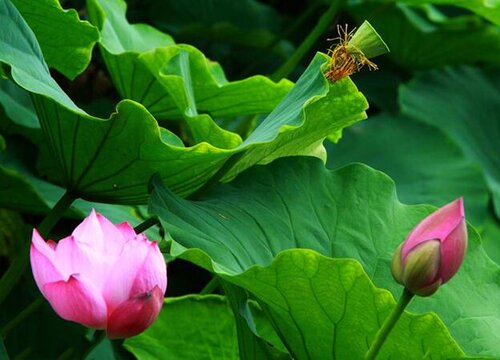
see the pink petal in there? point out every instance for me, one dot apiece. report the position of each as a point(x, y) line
point(127, 231)
point(99, 233)
point(42, 262)
point(437, 225)
point(135, 315)
point(74, 257)
point(152, 273)
point(77, 301)
point(123, 272)
point(453, 250)
point(44, 247)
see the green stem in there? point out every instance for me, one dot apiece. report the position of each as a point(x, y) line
point(55, 214)
point(146, 224)
point(308, 42)
point(20, 262)
point(211, 286)
point(30, 309)
point(388, 325)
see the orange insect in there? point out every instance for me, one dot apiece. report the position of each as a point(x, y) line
point(346, 59)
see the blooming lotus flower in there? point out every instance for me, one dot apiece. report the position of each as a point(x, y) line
point(102, 276)
point(433, 251)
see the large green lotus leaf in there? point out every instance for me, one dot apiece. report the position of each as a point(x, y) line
point(318, 304)
point(20, 50)
point(91, 153)
point(329, 309)
point(201, 126)
point(252, 340)
point(18, 108)
point(21, 190)
point(150, 74)
point(381, 87)
point(430, 39)
point(425, 165)
point(189, 327)
point(352, 212)
point(490, 234)
point(488, 9)
point(185, 329)
point(463, 103)
point(112, 160)
point(66, 41)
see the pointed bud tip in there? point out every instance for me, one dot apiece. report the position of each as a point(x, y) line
point(433, 251)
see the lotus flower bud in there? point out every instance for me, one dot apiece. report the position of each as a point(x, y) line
point(433, 251)
point(102, 276)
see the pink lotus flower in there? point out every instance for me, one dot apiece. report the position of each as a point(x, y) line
point(102, 276)
point(433, 251)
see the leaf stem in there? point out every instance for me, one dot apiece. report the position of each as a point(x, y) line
point(19, 263)
point(56, 213)
point(388, 325)
point(323, 23)
point(210, 286)
point(146, 224)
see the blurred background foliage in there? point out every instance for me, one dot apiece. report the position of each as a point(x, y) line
point(433, 126)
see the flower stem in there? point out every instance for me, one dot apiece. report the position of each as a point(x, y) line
point(19, 263)
point(323, 23)
point(388, 325)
